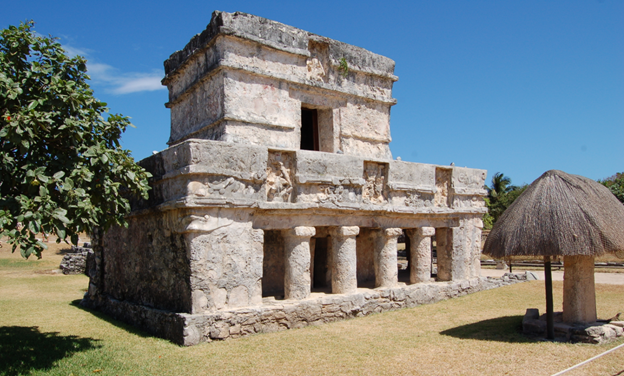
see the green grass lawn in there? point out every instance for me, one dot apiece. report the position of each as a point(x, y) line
point(44, 331)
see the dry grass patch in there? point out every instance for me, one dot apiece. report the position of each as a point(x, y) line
point(473, 335)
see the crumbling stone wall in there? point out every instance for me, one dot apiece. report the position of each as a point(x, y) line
point(150, 264)
point(75, 261)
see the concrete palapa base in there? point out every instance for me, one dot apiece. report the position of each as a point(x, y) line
point(595, 332)
point(275, 315)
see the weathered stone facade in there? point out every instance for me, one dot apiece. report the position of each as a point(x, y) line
point(278, 204)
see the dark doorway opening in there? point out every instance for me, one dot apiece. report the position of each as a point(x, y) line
point(404, 257)
point(309, 129)
point(321, 280)
point(273, 264)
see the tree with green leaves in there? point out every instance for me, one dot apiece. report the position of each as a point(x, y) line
point(62, 169)
point(615, 184)
point(501, 194)
point(501, 185)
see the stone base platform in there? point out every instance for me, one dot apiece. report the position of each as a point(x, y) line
point(596, 332)
point(275, 315)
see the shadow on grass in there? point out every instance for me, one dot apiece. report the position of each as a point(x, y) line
point(24, 349)
point(121, 325)
point(502, 329)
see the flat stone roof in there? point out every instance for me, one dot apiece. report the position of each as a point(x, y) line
point(278, 36)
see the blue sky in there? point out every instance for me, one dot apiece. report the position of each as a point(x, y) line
point(519, 87)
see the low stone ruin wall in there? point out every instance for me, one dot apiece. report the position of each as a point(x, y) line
point(75, 262)
point(275, 315)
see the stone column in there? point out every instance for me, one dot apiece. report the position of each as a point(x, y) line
point(444, 249)
point(579, 294)
point(476, 247)
point(344, 270)
point(386, 265)
point(420, 253)
point(460, 249)
point(297, 280)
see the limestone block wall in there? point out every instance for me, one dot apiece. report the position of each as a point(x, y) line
point(259, 110)
point(200, 108)
point(145, 264)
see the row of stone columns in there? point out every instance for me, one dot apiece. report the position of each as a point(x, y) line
point(297, 277)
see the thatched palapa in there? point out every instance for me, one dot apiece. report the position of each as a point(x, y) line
point(559, 215)
point(562, 215)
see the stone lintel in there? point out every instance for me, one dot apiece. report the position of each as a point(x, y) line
point(329, 89)
point(469, 192)
point(411, 188)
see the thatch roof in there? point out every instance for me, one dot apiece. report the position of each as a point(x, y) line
point(559, 214)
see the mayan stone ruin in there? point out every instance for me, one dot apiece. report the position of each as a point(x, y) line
point(278, 204)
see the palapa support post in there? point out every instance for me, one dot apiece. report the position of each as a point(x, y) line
point(550, 316)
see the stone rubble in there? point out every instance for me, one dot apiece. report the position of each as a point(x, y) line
point(75, 261)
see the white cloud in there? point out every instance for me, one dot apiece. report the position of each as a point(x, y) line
point(73, 51)
point(117, 82)
point(133, 85)
point(123, 83)
point(97, 70)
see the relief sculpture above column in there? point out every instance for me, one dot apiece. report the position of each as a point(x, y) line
point(279, 181)
point(336, 194)
point(227, 187)
point(375, 177)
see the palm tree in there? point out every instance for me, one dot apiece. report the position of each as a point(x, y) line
point(501, 184)
point(501, 194)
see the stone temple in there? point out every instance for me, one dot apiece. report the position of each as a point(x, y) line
point(277, 203)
